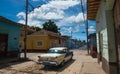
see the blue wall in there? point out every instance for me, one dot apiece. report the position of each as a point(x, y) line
point(13, 32)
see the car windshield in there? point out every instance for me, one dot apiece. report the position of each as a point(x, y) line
point(55, 51)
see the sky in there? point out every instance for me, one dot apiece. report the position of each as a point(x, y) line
point(67, 14)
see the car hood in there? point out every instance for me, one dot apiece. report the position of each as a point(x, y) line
point(50, 55)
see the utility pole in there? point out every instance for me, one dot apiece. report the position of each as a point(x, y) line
point(87, 36)
point(25, 39)
point(86, 24)
point(71, 39)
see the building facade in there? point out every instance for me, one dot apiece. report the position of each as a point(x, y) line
point(43, 40)
point(9, 37)
point(106, 14)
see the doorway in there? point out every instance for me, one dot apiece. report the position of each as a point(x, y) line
point(3, 45)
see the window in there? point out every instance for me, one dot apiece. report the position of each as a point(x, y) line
point(59, 41)
point(39, 43)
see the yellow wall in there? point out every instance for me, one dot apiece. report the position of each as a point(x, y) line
point(32, 42)
point(47, 41)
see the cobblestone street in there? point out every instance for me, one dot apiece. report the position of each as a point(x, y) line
point(81, 64)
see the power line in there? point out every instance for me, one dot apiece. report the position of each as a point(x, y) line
point(86, 24)
point(26, 23)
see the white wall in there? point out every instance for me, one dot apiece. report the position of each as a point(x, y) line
point(105, 28)
point(102, 38)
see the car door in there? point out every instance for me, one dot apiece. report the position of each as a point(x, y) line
point(67, 55)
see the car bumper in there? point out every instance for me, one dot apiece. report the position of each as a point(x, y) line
point(51, 63)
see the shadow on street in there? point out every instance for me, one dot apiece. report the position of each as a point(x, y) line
point(58, 68)
point(13, 62)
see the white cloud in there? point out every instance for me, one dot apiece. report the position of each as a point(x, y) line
point(63, 4)
point(21, 21)
point(69, 21)
point(65, 30)
point(53, 15)
point(76, 19)
point(52, 10)
point(91, 29)
point(70, 29)
point(77, 28)
point(34, 23)
point(21, 15)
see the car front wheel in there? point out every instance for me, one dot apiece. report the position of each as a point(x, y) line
point(62, 63)
point(71, 57)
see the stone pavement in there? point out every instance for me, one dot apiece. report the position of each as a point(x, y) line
point(89, 65)
point(83, 64)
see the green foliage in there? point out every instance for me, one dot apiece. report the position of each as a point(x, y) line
point(51, 26)
point(84, 41)
point(36, 28)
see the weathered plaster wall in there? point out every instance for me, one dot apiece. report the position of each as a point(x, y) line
point(106, 36)
point(105, 44)
point(105, 27)
point(111, 36)
point(102, 40)
point(13, 32)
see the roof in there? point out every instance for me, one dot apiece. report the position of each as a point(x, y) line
point(58, 48)
point(66, 37)
point(49, 33)
point(29, 29)
point(9, 21)
point(45, 32)
point(92, 8)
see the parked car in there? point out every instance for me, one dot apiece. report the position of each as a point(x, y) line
point(56, 56)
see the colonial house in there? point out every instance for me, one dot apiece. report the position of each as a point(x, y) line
point(72, 43)
point(43, 40)
point(106, 13)
point(9, 37)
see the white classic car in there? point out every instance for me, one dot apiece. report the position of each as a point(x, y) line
point(56, 56)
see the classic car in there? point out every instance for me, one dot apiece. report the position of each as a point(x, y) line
point(56, 56)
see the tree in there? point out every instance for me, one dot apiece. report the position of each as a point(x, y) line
point(84, 41)
point(51, 26)
point(36, 28)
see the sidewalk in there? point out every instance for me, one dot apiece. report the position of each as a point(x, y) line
point(89, 65)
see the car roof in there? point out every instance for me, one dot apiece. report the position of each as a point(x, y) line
point(58, 48)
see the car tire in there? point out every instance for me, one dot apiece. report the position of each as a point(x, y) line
point(62, 63)
point(71, 57)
